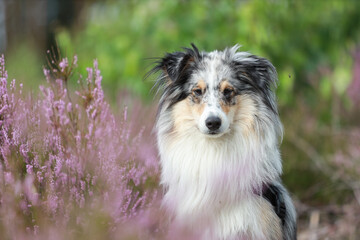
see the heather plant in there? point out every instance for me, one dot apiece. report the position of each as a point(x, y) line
point(69, 167)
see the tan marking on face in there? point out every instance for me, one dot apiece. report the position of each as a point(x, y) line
point(225, 84)
point(226, 107)
point(244, 116)
point(202, 85)
point(270, 222)
point(197, 109)
point(184, 114)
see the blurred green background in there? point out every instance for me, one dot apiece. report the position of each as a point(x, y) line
point(315, 46)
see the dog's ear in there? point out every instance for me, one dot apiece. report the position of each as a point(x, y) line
point(258, 73)
point(262, 72)
point(173, 64)
point(176, 67)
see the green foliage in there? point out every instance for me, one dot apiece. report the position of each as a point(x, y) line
point(297, 36)
point(309, 43)
point(25, 63)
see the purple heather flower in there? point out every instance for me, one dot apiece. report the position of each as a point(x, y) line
point(63, 64)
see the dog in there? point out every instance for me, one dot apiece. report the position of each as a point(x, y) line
point(218, 135)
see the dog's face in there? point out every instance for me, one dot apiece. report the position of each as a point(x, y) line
point(212, 98)
point(214, 92)
point(211, 102)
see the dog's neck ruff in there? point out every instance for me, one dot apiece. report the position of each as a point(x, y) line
point(202, 173)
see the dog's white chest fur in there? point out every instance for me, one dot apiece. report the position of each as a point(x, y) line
point(213, 179)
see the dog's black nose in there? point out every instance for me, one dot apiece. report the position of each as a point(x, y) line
point(213, 123)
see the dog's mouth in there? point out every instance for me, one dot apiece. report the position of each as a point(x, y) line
point(214, 134)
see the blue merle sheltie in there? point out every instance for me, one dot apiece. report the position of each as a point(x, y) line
point(218, 133)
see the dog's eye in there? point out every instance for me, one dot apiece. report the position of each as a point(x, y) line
point(197, 92)
point(228, 93)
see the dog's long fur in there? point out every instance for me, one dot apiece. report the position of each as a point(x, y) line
point(217, 178)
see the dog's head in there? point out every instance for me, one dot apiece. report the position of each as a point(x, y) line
point(216, 92)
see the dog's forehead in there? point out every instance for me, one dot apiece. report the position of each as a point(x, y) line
point(212, 70)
